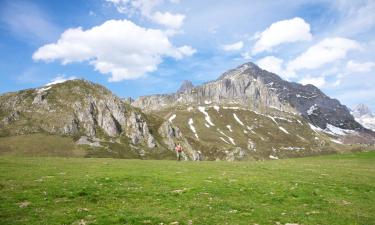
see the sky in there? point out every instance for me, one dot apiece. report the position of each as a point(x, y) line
point(143, 47)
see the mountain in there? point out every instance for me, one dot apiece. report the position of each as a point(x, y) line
point(86, 111)
point(247, 113)
point(259, 90)
point(186, 86)
point(364, 116)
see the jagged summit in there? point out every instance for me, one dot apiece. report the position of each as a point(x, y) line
point(248, 113)
point(364, 116)
point(362, 110)
point(257, 89)
point(185, 86)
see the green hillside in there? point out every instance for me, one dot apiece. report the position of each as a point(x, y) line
point(334, 189)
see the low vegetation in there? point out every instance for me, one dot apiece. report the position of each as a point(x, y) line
point(333, 189)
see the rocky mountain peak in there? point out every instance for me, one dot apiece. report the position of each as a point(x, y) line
point(257, 89)
point(186, 86)
point(361, 110)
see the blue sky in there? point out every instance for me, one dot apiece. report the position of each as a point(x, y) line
point(141, 47)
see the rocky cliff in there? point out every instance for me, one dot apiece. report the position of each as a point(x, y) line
point(257, 89)
point(73, 108)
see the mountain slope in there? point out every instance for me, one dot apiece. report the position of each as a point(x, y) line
point(247, 113)
point(88, 112)
point(259, 90)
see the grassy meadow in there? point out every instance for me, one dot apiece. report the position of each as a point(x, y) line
point(333, 189)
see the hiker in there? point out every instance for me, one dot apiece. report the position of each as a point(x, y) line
point(179, 151)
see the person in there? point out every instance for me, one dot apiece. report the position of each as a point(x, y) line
point(179, 151)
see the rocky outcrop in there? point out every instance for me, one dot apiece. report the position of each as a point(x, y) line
point(186, 86)
point(257, 89)
point(76, 107)
point(172, 136)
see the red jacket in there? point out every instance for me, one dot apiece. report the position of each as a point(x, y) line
point(178, 148)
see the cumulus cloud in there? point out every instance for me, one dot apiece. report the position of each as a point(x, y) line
point(358, 67)
point(60, 79)
point(173, 21)
point(326, 51)
point(316, 81)
point(146, 9)
point(271, 64)
point(233, 47)
point(280, 32)
point(117, 47)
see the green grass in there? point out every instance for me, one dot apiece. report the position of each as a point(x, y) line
point(334, 189)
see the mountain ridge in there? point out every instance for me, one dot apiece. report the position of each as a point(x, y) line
point(259, 90)
point(244, 114)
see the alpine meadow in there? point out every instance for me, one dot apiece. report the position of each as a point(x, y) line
point(177, 112)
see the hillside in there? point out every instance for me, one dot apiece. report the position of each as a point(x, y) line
point(86, 113)
point(246, 114)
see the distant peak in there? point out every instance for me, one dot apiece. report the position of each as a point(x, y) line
point(248, 65)
point(185, 86)
point(362, 109)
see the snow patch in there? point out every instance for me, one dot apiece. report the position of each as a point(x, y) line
point(40, 90)
point(231, 107)
point(208, 126)
point(238, 119)
point(206, 116)
point(172, 118)
point(273, 157)
point(189, 109)
point(336, 130)
point(283, 130)
point(292, 148)
point(192, 128)
point(224, 140)
point(229, 128)
point(315, 129)
point(336, 141)
point(272, 118)
point(207, 102)
point(230, 139)
point(217, 108)
point(311, 110)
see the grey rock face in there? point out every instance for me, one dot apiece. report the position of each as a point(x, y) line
point(361, 110)
point(257, 89)
point(75, 107)
point(172, 136)
point(186, 86)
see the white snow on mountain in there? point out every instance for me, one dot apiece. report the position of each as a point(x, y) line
point(363, 115)
point(238, 119)
point(192, 128)
point(206, 116)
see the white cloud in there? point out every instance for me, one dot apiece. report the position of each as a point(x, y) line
point(280, 32)
point(271, 64)
point(146, 9)
point(233, 47)
point(358, 17)
point(60, 79)
point(326, 51)
point(316, 81)
point(357, 67)
point(116, 47)
point(173, 21)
